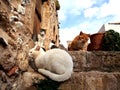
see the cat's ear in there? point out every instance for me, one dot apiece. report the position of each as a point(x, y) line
point(81, 32)
point(37, 48)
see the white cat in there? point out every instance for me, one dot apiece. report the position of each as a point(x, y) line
point(56, 64)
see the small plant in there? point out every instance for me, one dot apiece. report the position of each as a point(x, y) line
point(57, 5)
point(111, 41)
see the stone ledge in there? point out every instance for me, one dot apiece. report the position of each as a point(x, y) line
point(97, 70)
point(97, 60)
point(92, 80)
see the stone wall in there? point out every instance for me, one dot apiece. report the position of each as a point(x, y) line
point(16, 26)
point(20, 23)
point(98, 70)
point(47, 18)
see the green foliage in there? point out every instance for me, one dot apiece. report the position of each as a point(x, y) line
point(57, 5)
point(111, 41)
point(48, 84)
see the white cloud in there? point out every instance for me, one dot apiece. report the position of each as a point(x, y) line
point(111, 8)
point(91, 12)
point(104, 10)
point(78, 4)
point(61, 16)
point(82, 4)
point(75, 12)
point(74, 7)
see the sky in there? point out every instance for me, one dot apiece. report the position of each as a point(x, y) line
point(85, 15)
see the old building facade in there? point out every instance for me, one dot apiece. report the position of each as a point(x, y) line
point(21, 21)
point(46, 20)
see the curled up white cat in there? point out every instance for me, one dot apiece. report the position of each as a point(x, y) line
point(56, 64)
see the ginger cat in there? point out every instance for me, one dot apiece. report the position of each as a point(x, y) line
point(80, 42)
point(56, 64)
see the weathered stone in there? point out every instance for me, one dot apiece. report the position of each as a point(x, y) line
point(90, 71)
point(99, 60)
point(14, 70)
point(51, 24)
point(17, 22)
point(92, 80)
point(29, 78)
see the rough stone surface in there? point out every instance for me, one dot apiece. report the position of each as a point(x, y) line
point(96, 60)
point(92, 80)
point(51, 24)
point(18, 19)
point(46, 18)
point(98, 70)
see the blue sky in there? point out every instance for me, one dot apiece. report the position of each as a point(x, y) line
point(85, 15)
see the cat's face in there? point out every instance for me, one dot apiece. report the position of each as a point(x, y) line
point(79, 42)
point(34, 51)
point(83, 37)
point(37, 50)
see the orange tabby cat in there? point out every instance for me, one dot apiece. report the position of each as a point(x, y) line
point(80, 42)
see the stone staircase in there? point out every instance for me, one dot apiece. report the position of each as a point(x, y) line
point(97, 70)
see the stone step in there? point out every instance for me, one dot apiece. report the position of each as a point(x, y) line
point(93, 71)
point(97, 70)
point(97, 60)
point(92, 80)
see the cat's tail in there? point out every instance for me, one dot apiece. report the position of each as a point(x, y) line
point(56, 77)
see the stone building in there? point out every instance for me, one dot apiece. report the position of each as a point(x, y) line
point(46, 18)
point(108, 26)
point(21, 21)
